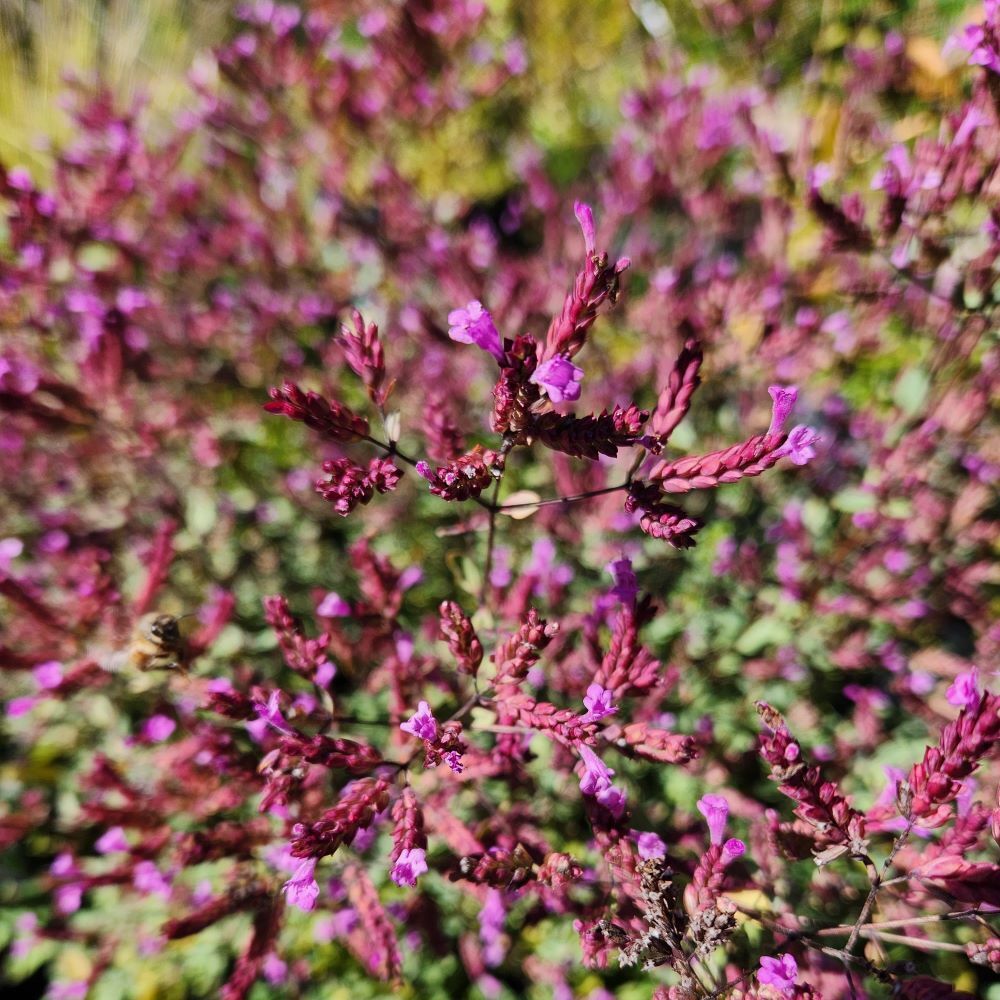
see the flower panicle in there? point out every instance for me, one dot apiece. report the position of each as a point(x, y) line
point(355, 809)
point(366, 357)
point(597, 282)
point(517, 654)
point(838, 827)
point(593, 435)
point(467, 476)
point(328, 417)
point(464, 644)
point(347, 485)
point(675, 398)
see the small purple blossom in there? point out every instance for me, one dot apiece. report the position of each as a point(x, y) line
point(626, 587)
point(111, 841)
point(275, 970)
point(333, 606)
point(158, 728)
point(598, 702)
point(48, 675)
point(799, 447)
point(733, 849)
point(780, 972)
point(964, 692)
point(148, 879)
point(614, 800)
point(474, 325)
point(585, 216)
point(715, 809)
point(410, 864)
point(454, 760)
point(301, 889)
point(596, 775)
point(784, 402)
point(650, 845)
point(270, 712)
point(559, 378)
point(421, 724)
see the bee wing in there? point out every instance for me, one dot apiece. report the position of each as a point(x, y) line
point(115, 662)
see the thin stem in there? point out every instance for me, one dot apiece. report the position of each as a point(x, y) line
point(917, 943)
point(490, 539)
point(877, 880)
point(567, 499)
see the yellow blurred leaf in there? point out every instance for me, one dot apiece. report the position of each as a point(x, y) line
point(526, 502)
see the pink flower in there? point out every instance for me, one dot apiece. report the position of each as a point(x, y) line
point(650, 845)
point(784, 402)
point(158, 728)
point(275, 970)
point(596, 774)
point(559, 378)
point(147, 878)
point(585, 216)
point(20, 706)
point(333, 606)
point(112, 841)
point(780, 972)
point(48, 675)
point(799, 446)
point(965, 691)
point(271, 712)
point(732, 849)
point(715, 809)
point(421, 724)
point(410, 864)
point(626, 587)
point(474, 325)
point(301, 889)
point(598, 703)
point(68, 898)
point(614, 800)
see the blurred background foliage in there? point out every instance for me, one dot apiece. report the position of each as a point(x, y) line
point(582, 55)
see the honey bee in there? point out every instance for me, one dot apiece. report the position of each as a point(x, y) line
point(156, 644)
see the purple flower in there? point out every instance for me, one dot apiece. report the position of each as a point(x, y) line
point(454, 760)
point(650, 846)
point(158, 728)
point(301, 889)
point(491, 920)
point(112, 841)
point(733, 849)
point(49, 674)
point(626, 587)
point(147, 878)
point(422, 723)
point(474, 325)
point(784, 402)
point(613, 799)
point(333, 606)
point(965, 691)
point(780, 972)
point(410, 864)
point(596, 775)
point(271, 712)
point(598, 703)
point(799, 446)
point(20, 706)
point(559, 378)
point(715, 809)
point(275, 970)
point(585, 216)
